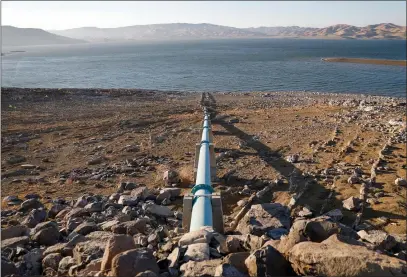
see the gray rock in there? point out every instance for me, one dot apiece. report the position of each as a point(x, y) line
point(351, 204)
point(157, 210)
point(140, 192)
point(14, 231)
point(237, 260)
point(133, 262)
point(81, 202)
point(170, 177)
point(7, 267)
point(74, 222)
point(164, 194)
point(200, 269)
point(174, 257)
point(262, 218)
point(91, 249)
point(197, 252)
point(94, 207)
point(85, 228)
point(380, 239)
point(100, 235)
point(335, 214)
point(277, 233)
point(31, 204)
point(47, 236)
point(227, 270)
point(65, 264)
point(127, 200)
point(319, 231)
point(107, 225)
point(204, 235)
point(130, 227)
point(62, 248)
point(175, 192)
point(14, 242)
point(55, 209)
point(400, 182)
point(76, 212)
point(34, 217)
point(33, 262)
point(267, 262)
point(52, 261)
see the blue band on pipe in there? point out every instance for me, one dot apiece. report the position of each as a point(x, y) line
point(202, 186)
point(206, 127)
point(205, 141)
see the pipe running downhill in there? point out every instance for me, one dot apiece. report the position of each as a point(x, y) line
point(202, 201)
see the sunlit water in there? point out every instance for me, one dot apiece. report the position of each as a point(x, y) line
point(216, 65)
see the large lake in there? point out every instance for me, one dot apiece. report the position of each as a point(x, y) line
point(214, 65)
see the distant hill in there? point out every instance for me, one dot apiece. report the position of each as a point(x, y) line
point(158, 32)
point(13, 36)
point(378, 31)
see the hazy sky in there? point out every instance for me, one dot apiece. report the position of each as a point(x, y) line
point(55, 15)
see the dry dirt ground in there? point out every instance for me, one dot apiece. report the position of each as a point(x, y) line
point(67, 142)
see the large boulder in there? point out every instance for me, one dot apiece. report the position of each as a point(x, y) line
point(116, 245)
point(34, 217)
point(85, 228)
point(46, 233)
point(237, 260)
point(295, 236)
point(227, 270)
point(65, 264)
point(91, 269)
point(197, 252)
point(157, 210)
point(339, 257)
point(130, 227)
point(14, 231)
point(133, 262)
point(32, 261)
point(14, 242)
point(318, 231)
point(51, 261)
point(262, 218)
point(267, 262)
point(204, 235)
point(380, 239)
point(200, 269)
point(92, 249)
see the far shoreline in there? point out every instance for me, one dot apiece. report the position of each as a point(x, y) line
point(367, 61)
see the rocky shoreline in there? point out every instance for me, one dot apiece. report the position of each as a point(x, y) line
point(93, 180)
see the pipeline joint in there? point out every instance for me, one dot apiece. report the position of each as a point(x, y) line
point(202, 186)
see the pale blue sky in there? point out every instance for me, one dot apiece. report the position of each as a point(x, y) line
point(54, 15)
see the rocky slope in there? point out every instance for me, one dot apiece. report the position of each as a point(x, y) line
point(377, 31)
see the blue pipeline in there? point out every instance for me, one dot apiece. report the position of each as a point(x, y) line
point(202, 203)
